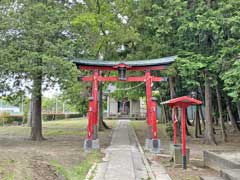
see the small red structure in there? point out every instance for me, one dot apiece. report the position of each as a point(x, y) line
point(122, 68)
point(181, 102)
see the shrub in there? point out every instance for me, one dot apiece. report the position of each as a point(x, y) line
point(58, 116)
point(6, 118)
point(169, 130)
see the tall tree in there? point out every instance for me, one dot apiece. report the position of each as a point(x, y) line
point(103, 30)
point(35, 38)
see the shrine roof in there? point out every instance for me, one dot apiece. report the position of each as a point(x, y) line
point(151, 62)
point(184, 100)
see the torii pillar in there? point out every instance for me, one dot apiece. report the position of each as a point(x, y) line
point(152, 143)
point(92, 141)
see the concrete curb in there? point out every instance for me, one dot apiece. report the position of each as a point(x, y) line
point(90, 173)
point(146, 163)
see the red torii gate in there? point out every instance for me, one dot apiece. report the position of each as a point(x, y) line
point(152, 141)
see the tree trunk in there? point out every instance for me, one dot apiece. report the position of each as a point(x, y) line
point(209, 136)
point(100, 108)
point(202, 117)
point(231, 116)
point(220, 111)
point(164, 112)
point(238, 109)
point(172, 86)
point(200, 127)
point(29, 120)
point(188, 120)
point(187, 131)
point(197, 123)
point(36, 130)
point(101, 124)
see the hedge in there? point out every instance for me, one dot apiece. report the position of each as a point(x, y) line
point(58, 116)
point(11, 118)
point(8, 119)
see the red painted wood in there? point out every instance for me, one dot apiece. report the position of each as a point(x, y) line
point(90, 119)
point(148, 95)
point(122, 65)
point(129, 79)
point(93, 105)
point(130, 68)
point(95, 95)
point(154, 119)
point(184, 131)
point(182, 101)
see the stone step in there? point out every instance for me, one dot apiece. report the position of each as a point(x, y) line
point(230, 174)
point(211, 178)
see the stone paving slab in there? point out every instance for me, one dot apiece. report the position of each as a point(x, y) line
point(124, 161)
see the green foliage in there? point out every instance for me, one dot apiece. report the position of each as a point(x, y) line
point(77, 95)
point(80, 171)
point(169, 130)
point(4, 117)
point(232, 80)
point(36, 38)
point(33, 44)
point(53, 116)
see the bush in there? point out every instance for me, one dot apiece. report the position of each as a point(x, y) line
point(52, 116)
point(58, 116)
point(169, 130)
point(73, 115)
point(6, 118)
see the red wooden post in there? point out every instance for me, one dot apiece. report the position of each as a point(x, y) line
point(184, 158)
point(154, 119)
point(95, 102)
point(90, 119)
point(148, 95)
point(149, 101)
point(174, 119)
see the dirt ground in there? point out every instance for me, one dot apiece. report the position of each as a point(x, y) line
point(22, 159)
point(196, 167)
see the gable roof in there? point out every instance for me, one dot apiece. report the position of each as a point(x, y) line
point(150, 62)
point(183, 100)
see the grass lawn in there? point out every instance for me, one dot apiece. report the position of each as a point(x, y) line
point(61, 155)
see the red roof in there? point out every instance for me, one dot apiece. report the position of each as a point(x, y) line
point(182, 101)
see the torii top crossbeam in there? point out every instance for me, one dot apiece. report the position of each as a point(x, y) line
point(152, 64)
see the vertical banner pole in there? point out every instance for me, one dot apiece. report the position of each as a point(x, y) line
point(184, 158)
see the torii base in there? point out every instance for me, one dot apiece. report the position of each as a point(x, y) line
point(153, 145)
point(91, 144)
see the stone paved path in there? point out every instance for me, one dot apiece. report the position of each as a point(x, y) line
point(123, 160)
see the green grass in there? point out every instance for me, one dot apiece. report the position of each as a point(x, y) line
point(59, 128)
point(53, 128)
point(80, 171)
point(5, 171)
point(141, 126)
